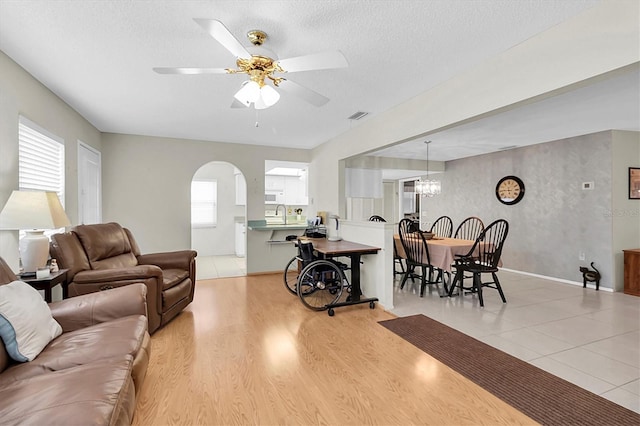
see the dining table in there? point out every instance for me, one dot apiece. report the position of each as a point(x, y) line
point(442, 254)
point(442, 251)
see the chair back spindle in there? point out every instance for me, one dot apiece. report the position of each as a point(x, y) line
point(442, 227)
point(469, 229)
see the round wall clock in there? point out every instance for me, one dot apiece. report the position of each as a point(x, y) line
point(510, 190)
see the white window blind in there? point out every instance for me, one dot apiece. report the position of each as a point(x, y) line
point(204, 203)
point(40, 159)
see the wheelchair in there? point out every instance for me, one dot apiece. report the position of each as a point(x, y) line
point(318, 283)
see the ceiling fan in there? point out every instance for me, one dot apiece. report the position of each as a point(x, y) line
point(262, 67)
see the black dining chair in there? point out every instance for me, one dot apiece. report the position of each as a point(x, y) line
point(483, 258)
point(469, 229)
point(417, 255)
point(376, 218)
point(442, 227)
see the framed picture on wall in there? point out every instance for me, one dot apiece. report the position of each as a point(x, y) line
point(634, 183)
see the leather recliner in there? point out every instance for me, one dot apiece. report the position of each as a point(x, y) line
point(102, 256)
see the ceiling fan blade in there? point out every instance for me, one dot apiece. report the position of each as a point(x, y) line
point(224, 37)
point(305, 93)
point(178, 70)
point(316, 61)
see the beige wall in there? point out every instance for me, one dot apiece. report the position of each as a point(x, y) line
point(21, 94)
point(147, 181)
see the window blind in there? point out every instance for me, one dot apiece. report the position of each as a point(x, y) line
point(204, 200)
point(40, 159)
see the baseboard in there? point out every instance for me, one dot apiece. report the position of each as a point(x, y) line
point(257, 274)
point(560, 280)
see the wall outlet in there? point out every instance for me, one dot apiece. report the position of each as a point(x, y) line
point(581, 256)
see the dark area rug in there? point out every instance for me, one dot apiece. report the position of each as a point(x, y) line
point(540, 395)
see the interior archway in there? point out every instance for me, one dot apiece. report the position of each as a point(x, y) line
point(218, 220)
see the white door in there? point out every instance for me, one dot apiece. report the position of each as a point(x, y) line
point(89, 185)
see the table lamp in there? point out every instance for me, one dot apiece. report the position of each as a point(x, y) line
point(33, 211)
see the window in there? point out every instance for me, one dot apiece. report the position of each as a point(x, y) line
point(40, 162)
point(40, 159)
point(204, 203)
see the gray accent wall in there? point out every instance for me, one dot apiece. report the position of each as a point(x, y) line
point(556, 220)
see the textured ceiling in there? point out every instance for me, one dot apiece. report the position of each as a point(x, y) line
point(98, 56)
point(613, 103)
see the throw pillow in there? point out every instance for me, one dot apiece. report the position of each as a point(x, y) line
point(26, 323)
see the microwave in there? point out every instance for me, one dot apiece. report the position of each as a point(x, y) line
point(274, 197)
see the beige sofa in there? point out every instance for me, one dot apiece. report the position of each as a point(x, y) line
point(106, 255)
point(91, 373)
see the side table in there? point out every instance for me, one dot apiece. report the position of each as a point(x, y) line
point(47, 283)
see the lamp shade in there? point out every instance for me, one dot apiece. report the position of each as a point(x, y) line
point(268, 97)
point(249, 93)
point(33, 210)
point(260, 96)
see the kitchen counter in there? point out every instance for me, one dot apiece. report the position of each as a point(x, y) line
point(261, 225)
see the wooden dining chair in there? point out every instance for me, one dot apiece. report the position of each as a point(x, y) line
point(442, 227)
point(417, 255)
point(483, 258)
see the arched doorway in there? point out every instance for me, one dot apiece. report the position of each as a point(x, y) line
point(218, 220)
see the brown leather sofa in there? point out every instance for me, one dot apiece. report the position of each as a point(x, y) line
point(106, 255)
point(91, 373)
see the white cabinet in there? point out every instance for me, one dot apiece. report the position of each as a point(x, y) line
point(240, 239)
point(241, 190)
point(274, 183)
point(292, 189)
point(295, 191)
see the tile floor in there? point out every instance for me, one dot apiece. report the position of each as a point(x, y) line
point(220, 266)
point(589, 338)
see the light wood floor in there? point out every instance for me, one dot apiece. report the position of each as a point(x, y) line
point(247, 352)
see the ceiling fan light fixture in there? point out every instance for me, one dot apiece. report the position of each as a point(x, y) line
point(268, 96)
point(249, 93)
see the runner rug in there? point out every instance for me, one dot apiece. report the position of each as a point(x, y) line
point(540, 395)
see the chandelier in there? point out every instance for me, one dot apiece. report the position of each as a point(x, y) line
point(428, 187)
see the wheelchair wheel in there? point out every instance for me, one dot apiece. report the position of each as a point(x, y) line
point(291, 273)
point(320, 284)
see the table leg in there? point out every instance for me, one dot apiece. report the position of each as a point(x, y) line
point(446, 277)
point(356, 291)
point(47, 294)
